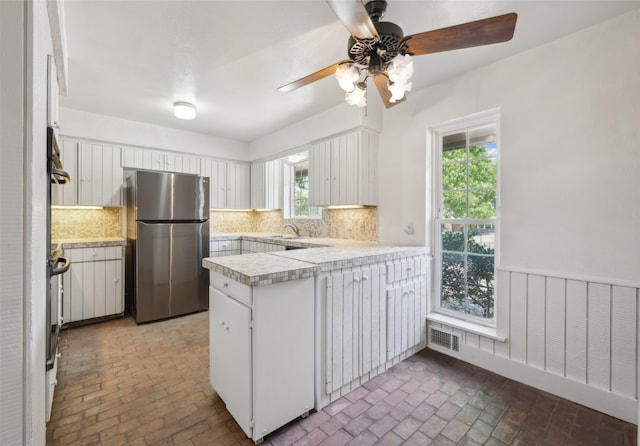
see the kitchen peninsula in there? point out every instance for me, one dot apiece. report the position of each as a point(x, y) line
point(293, 329)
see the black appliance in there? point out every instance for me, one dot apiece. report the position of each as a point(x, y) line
point(56, 263)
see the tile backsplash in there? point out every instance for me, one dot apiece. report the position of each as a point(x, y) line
point(85, 223)
point(352, 224)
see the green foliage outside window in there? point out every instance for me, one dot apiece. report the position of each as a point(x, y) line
point(467, 254)
point(301, 206)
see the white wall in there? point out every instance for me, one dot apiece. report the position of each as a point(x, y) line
point(12, 75)
point(81, 124)
point(569, 183)
point(569, 273)
point(23, 232)
point(330, 122)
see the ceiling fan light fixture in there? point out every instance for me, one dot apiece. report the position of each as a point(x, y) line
point(399, 71)
point(358, 96)
point(184, 110)
point(347, 75)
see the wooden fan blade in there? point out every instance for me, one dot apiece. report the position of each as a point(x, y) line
point(354, 17)
point(381, 83)
point(481, 32)
point(321, 74)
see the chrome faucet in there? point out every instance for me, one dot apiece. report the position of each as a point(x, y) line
point(293, 227)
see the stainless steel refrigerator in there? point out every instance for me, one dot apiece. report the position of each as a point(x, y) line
point(168, 236)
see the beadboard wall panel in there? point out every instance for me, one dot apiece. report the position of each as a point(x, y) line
point(568, 335)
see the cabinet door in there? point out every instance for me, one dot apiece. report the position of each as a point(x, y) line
point(93, 287)
point(273, 184)
point(320, 174)
point(175, 162)
point(341, 330)
point(142, 159)
point(67, 194)
point(114, 300)
point(238, 186)
point(406, 317)
point(230, 355)
point(266, 184)
point(373, 315)
point(258, 185)
point(216, 170)
point(344, 169)
point(100, 175)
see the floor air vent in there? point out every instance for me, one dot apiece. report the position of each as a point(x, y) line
point(445, 339)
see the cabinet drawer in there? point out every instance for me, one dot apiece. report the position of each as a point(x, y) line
point(231, 288)
point(408, 268)
point(96, 253)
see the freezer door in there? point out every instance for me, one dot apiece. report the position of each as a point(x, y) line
point(171, 196)
point(169, 276)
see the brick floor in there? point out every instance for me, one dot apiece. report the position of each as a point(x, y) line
point(120, 383)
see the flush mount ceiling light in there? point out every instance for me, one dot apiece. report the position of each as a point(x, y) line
point(184, 110)
point(381, 51)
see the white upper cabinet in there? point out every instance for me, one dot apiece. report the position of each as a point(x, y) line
point(99, 175)
point(157, 160)
point(96, 175)
point(174, 162)
point(238, 192)
point(67, 194)
point(143, 159)
point(228, 182)
point(343, 170)
point(266, 185)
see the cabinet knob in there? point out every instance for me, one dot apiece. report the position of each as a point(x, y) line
point(365, 278)
point(225, 285)
point(356, 279)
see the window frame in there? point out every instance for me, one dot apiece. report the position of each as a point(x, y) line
point(465, 124)
point(289, 186)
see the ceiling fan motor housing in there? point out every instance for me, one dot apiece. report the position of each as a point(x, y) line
point(385, 49)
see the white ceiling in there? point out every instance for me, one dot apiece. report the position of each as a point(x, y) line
point(133, 59)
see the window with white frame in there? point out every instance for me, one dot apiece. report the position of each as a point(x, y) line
point(466, 156)
point(297, 191)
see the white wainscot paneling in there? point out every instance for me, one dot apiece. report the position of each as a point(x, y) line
point(567, 335)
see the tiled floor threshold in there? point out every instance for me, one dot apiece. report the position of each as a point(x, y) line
point(124, 384)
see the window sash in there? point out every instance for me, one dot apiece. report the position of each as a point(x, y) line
point(466, 126)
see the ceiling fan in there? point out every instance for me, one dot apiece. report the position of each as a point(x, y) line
point(380, 50)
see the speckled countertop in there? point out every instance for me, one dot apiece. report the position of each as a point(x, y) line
point(89, 242)
point(322, 255)
point(260, 268)
point(330, 258)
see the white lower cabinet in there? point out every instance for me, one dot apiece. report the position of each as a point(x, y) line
point(262, 351)
point(406, 304)
point(371, 317)
point(94, 286)
point(353, 328)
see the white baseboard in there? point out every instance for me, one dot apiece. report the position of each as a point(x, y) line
point(617, 406)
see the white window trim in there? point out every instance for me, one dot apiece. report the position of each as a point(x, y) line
point(288, 179)
point(491, 116)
